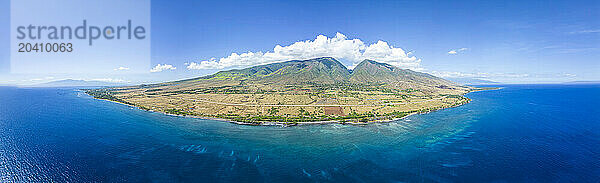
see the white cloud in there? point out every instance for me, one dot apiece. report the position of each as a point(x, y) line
point(121, 69)
point(448, 74)
point(195, 66)
point(159, 68)
point(589, 31)
point(339, 47)
point(456, 51)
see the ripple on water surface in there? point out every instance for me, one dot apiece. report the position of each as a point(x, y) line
point(61, 135)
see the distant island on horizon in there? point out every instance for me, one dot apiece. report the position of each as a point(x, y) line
point(582, 82)
point(314, 91)
point(75, 83)
point(472, 81)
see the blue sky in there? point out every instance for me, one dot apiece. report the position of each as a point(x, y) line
point(511, 42)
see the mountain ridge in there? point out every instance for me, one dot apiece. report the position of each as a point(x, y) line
point(328, 70)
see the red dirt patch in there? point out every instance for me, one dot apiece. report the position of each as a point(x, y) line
point(333, 111)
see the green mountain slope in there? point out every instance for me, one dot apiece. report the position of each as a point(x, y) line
point(319, 70)
point(326, 70)
point(369, 71)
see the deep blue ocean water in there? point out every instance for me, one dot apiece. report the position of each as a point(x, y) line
point(521, 133)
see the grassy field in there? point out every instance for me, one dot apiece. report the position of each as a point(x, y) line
point(259, 103)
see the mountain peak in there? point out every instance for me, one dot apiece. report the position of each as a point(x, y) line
point(370, 71)
point(327, 61)
point(365, 64)
point(328, 70)
point(319, 70)
point(323, 58)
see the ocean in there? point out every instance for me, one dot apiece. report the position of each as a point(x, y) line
point(520, 133)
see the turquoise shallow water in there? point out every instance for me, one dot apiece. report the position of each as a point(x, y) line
point(522, 133)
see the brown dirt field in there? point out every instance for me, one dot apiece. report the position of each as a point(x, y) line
point(334, 111)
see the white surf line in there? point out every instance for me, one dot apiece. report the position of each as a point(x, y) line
point(314, 105)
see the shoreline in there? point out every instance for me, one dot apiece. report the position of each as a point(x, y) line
point(282, 123)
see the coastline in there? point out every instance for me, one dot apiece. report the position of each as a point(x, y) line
point(288, 124)
point(272, 123)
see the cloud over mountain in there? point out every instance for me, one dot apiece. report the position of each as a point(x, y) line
point(339, 47)
point(162, 67)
